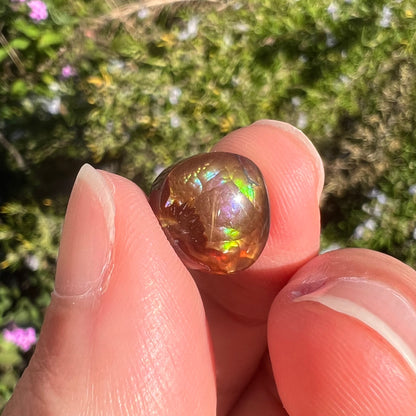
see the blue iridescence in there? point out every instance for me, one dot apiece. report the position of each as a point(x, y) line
point(210, 174)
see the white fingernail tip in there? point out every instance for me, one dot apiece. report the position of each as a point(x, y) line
point(376, 305)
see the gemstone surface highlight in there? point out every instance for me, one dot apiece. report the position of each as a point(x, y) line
point(214, 210)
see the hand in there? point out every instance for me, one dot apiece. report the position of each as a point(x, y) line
point(130, 331)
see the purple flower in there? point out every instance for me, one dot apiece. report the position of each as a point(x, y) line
point(18, 1)
point(68, 71)
point(38, 9)
point(24, 338)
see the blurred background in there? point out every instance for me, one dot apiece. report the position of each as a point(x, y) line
point(132, 87)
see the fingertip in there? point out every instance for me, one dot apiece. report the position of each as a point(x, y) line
point(297, 134)
point(338, 338)
point(260, 139)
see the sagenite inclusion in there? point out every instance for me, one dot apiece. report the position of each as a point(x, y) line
point(214, 210)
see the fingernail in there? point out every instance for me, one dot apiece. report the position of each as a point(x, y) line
point(298, 134)
point(376, 305)
point(85, 252)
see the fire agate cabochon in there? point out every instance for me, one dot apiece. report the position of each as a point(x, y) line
point(214, 210)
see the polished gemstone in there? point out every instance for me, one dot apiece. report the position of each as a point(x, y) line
point(214, 210)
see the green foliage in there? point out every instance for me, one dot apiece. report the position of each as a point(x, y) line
point(10, 366)
point(133, 90)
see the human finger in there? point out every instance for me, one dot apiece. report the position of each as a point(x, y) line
point(260, 396)
point(342, 336)
point(116, 336)
point(237, 306)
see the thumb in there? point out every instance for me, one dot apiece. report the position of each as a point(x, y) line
point(342, 336)
point(115, 339)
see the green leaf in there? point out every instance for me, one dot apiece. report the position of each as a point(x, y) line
point(20, 43)
point(49, 38)
point(30, 30)
point(19, 87)
point(47, 78)
point(9, 356)
point(125, 45)
point(3, 54)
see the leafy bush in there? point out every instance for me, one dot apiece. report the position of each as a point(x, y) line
point(132, 89)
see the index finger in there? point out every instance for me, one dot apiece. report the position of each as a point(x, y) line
point(237, 306)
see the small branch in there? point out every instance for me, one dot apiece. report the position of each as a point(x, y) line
point(12, 53)
point(13, 152)
point(114, 5)
point(128, 9)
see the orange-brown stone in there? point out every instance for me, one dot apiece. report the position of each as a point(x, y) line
point(214, 210)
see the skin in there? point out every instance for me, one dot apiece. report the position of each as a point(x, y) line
point(130, 331)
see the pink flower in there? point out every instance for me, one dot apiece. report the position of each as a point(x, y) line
point(68, 71)
point(38, 9)
point(23, 338)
